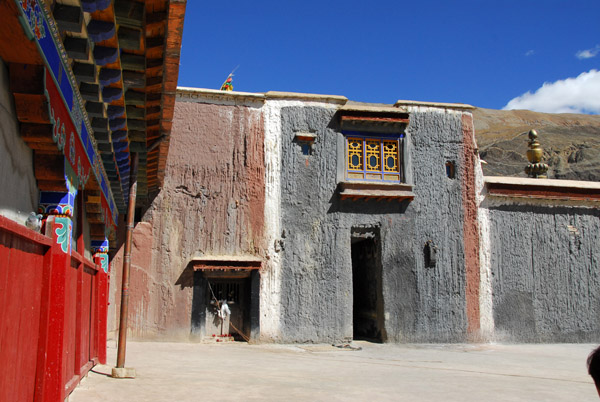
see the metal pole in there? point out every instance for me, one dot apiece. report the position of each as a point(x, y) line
point(127, 264)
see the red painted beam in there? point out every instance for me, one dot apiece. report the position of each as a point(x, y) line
point(375, 119)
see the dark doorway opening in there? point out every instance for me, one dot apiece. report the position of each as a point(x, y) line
point(240, 290)
point(237, 295)
point(367, 314)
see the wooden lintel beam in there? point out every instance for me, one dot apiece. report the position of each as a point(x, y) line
point(156, 41)
point(134, 79)
point(49, 167)
point(151, 81)
point(89, 92)
point(138, 146)
point(129, 13)
point(135, 112)
point(36, 133)
point(129, 38)
point(77, 48)
point(85, 72)
point(93, 217)
point(133, 62)
point(32, 108)
point(93, 207)
point(136, 124)
point(152, 110)
point(134, 97)
point(136, 135)
point(44, 147)
point(92, 185)
point(68, 18)
point(100, 124)
point(153, 96)
point(153, 63)
point(26, 78)
point(159, 16)
point(52, 185)
point(94, 109)
point(153, 123)
point(97, 231)
point(155, 102)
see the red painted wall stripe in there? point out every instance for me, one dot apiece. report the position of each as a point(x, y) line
point(470, 224)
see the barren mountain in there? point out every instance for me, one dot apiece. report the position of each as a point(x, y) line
point(571, 142)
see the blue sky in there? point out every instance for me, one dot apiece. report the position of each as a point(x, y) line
point(545, 53)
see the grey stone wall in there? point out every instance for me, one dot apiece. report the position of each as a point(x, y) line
point(545, 272)
point(19, 194)
point(420, 304)
point(438, 210)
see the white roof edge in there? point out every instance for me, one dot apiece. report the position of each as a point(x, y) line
point(527, 181)
point(434, 104)
point(306, 96)
point(218, 92)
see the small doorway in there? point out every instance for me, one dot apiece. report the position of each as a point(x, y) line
point(239, 290)
point(236, 293)
point(367, 314)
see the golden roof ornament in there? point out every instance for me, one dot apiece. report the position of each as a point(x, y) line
point(535, 168)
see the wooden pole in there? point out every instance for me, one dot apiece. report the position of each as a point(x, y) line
point(127, 264)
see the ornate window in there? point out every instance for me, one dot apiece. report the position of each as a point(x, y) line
point(374, 157)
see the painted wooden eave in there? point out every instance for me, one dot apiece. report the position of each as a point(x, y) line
point(356, 190)
point(544, 189)
point(146, 38)
point(373, 117)
point(226, 262)
point(12, 32)
point(172, 53)
point(227, 258)
point(371, 108)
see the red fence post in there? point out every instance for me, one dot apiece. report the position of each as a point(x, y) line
point(52, 387)
point(80, 356)
point(24, 277)
point(100, 250)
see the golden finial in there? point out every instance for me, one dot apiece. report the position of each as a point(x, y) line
point(535, 168)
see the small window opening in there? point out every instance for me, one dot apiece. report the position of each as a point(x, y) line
point(306, 148)
point(139, 213)
point(430, 254)
point(306, 142)
point(450, 169)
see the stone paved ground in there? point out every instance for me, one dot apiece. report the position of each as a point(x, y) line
point(242, 372)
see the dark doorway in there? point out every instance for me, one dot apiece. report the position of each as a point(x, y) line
point(237, 295)
point(367, 311)
point(239, 289)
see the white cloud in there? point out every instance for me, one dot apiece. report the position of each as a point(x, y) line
point(588, 53)
point(572, 95)
point(529, 53)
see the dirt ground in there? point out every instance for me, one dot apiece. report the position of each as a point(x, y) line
point(376, 372)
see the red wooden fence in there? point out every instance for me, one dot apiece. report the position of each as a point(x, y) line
point(52, 316)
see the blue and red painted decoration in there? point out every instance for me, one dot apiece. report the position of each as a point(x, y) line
point(57, 203)
point(100, 251)
point(72, 129)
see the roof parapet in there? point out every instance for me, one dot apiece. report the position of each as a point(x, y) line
point(336, 99)
point(217, 94)
point(457, 106)
point(365, 108)
point(542, 189)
